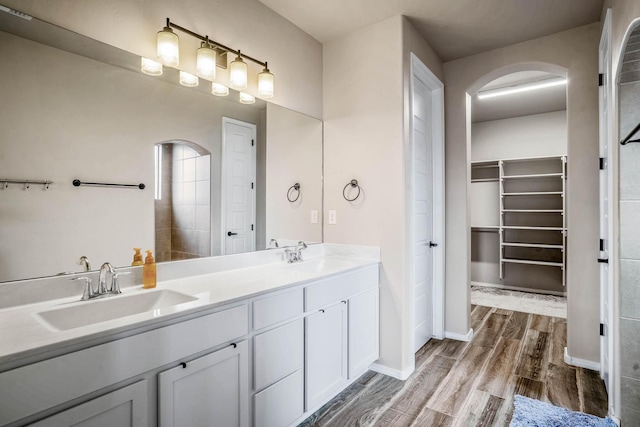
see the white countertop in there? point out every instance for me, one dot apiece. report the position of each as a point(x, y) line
point(26, 336)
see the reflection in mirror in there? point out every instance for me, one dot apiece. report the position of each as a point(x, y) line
point(67, 117)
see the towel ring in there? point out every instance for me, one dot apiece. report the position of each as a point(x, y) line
point(354, 184)
point(294, 189)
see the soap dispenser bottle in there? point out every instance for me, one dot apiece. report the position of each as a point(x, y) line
point(149, 271)
point(137, 258)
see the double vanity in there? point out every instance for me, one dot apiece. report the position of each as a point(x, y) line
point(240, 340)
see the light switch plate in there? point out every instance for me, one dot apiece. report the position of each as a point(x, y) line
point(314, 216)
point(332, 217)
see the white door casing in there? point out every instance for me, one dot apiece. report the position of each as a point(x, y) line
point(426, 204)
point(238, 186)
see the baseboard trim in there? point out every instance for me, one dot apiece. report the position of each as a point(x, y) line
point(581, 363)
point(459, 337)
point(395, 373)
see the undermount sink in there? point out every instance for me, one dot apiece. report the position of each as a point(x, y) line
point(108, 308)
point(318, 265)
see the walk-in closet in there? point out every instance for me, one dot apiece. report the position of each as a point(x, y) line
point(517, 191)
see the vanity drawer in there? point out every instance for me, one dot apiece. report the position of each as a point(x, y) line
point(328, 291)
point(278, 308)
point(281, 404)
point(277, 353)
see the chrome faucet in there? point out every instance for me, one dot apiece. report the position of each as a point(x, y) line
point(102, 280)
point(85, 262)
point(295, 255)
point(273, 243)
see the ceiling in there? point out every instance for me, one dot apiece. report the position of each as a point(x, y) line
point(453, 28)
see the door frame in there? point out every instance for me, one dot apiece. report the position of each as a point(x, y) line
point(223, 179)
point(420, 71)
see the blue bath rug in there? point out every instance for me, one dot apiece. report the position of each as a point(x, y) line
point(534, 413)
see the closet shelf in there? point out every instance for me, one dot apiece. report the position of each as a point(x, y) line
point(526, 227)
point(533, 210)
point(533, 245)
point(530, 262)
point(535, 193)
point(486, 180)
point(536, 175)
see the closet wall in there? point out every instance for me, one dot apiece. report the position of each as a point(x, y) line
point(534, 136)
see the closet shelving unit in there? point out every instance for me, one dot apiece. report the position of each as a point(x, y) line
point(532, 224)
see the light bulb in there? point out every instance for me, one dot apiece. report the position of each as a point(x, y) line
point(206, 61)
point(150, 67)
point(245, 98)
point(219, 90)
point(168, 50)
point(188, 80)
point(265, 83)
point(238, 73)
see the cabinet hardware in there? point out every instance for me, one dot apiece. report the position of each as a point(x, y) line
point(321, 311)
point(184, 365)
point(234, 345)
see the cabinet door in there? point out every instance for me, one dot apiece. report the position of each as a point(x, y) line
point(363, 332)
point(209, 391)
point(325, 354)
point(124, 407)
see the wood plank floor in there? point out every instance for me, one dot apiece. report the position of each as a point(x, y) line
point(473, 384)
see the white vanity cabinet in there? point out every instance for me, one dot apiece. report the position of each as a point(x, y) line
point(325, 354)
point(211, 390)
point(125, 407)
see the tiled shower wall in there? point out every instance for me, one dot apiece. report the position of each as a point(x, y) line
point(183, 214)
point(630, 238)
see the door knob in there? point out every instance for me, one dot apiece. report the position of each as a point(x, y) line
point(431, 244)
point(231, 233)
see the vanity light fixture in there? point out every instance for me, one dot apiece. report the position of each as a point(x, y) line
point(150, 67)
point(210, 55)
point(206, 60)
point(245, 98)
point(238, 73)
point(188, 80)
point(265, 83)
point(168, 50)
point(524, 87)
point(219, 90)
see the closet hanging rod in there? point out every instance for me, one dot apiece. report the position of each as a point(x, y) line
point(78, 183)
point(628, 139)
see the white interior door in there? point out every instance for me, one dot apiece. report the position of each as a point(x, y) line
point(422, 233)
point(606, 208)
point(238, 186)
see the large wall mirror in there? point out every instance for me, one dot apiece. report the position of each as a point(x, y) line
point(77, 109)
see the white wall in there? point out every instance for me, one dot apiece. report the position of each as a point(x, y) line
point(294, 57)
point(575, 51)
point(528, 136)
point(294, 155)
point(88, 120)
point(364, 138)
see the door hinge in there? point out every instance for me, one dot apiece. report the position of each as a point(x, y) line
point(251, 227)
point(602, 163)
point(600, 79)
point(603, 260)
point(252, 185)
point(601, 245)
point(601, 329)
point(252, 142)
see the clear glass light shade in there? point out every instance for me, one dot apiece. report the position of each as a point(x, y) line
point(265, 84)
point(238, 74)
point(168, 51)
point(206, 62)
point(219, 90)
point(150, 67)
point(245, 98)
point(188, 80)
